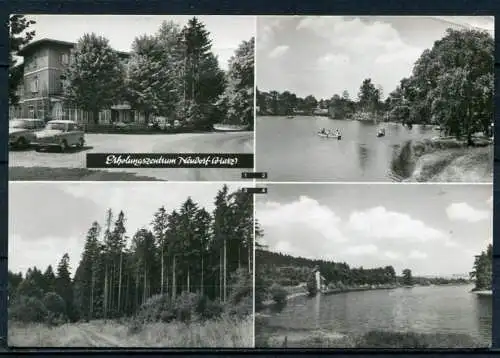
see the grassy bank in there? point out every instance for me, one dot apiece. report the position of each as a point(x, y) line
point(444, 160)
point(223, 332)
point(67, 174)
point(267, 336)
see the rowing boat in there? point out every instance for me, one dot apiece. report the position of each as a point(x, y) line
point(325, 135)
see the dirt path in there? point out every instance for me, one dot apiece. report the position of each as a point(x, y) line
point(96, 339)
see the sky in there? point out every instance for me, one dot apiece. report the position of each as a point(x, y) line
point(434, 230)
point(47, 220)
point(323, 56)
point(227, 32)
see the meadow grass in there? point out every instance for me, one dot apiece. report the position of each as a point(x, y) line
point(225, 332)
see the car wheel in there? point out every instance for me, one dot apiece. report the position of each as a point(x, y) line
point(64, 145)
point(81, 143)
point(21, 142)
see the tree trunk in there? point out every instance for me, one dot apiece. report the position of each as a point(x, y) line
point(144, 283)
point(225, 271)
point(137, 287)
point(95, 116)
point(120, 283)
point(202, 278)
point(105, 298)
point(220, 275)
point(162, 268)
point(249, 258)
point(174, 287)
point(188, 277)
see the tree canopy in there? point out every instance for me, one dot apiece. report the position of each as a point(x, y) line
point(186, 251)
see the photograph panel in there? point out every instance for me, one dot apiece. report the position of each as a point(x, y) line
point(130, 265)
point(375, 98)
point(87, 84)
point(374, 266)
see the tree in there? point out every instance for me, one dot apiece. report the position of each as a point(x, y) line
point(238, 96)
point(454, 78)
point(483, 269)
point(368, 96)
point(95, 76)
point(407, 277)
point(202, 81)
point(64, 286)
point(152, 74)
point(19, 36)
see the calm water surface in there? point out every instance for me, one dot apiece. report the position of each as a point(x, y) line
point(445, 309)
point(289, 149)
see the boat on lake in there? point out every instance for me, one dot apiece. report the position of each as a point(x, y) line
point(220, 127)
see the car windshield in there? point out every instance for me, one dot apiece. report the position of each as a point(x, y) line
point(19, 123)
point(56, 126)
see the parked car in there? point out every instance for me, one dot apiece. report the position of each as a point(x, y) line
point(62, 134)
point(121, 125)
point(22, 131)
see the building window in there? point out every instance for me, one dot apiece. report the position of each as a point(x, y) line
point(33, 63)
point(64, 58)
point(34, 85)
point(31, 111)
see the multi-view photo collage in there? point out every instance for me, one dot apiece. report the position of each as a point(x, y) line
point(250, 181)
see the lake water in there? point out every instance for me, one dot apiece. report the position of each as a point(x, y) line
point(433, 309)
point(290, 150)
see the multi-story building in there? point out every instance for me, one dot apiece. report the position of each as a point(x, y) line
point(41, 91)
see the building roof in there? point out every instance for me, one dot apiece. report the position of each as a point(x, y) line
point(38, 43)
point(46, 41)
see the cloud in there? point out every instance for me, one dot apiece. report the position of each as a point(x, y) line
point(465, 212)
point(333, 59)
point(392, 255)
point(362, 37)
point(278, 51)
point(305, 212)
point(417, 255)
point(378, 223)
point(361, 250)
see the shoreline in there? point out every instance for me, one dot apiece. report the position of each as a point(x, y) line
point(270, 302)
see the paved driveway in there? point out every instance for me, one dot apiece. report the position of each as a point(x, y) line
point(240, 142)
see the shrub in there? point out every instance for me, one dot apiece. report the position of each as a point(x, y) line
point(278, 294)
point(312, 289)
point(28, 309)
point(241, 286)
point(207, 309)
point(185, 306)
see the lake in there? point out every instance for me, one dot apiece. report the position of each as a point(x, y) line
point(290, 150)
point(433, 309)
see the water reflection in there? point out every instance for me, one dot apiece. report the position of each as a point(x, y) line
point(402, 163)
point(432, 310)
point(362, 156)
point(484, 308)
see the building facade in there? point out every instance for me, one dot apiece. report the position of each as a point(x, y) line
point(41, 92)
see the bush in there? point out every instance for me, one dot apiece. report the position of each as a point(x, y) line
point(278, 294)
point(241, 286)
point(28, 309)
point(207, 309)
point(185, 306)
point(312, 289)
point(56, 309)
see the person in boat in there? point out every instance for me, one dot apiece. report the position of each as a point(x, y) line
point(322, 131)
point(337, 133)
